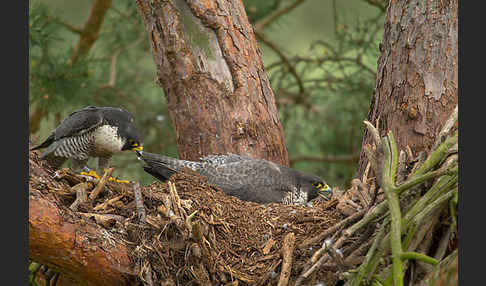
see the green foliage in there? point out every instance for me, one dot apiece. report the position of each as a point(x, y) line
point(323, 107)
point(52, 83)
point(322, 111)
point(257, 9)
point(62, 88)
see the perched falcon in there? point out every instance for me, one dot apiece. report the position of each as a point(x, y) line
point(91, 132)
point(249, 179)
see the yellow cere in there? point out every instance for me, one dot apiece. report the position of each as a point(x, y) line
point(323, 188)
point(139, 148)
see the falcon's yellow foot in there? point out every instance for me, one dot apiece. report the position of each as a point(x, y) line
point(118, 181)
point(91, 173)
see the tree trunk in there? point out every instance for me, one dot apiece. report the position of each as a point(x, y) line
point(210, 67)
point(417, 78)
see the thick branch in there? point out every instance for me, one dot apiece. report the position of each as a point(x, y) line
point(83, 251)
point(91, 29)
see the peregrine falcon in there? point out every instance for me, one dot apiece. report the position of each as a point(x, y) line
point(255, 180)
point(91, 132)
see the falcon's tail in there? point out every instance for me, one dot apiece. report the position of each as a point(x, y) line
point(44, 144)
point(162, 167)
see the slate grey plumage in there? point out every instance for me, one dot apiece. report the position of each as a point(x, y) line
point(249, 179)
point(91, 132)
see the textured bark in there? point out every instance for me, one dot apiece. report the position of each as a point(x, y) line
point(85, 252)
point(417, 79)
point(210, 68)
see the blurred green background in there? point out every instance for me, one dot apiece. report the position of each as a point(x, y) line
point(320, 56)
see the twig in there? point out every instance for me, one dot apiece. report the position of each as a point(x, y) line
point(389, 168)
point(437, 156)
point(433, 160)
point(332, 229)
point(101, 184)
point(91, 29)
point(270, 272)
point(146, 273)
point(422, 178)
point(380, 4)
point(106, 220)
point(442, 185)
point(176, 203)
point(287, 250)
point(81, 194)
point(367, 268)
point(419, 257)
point(446, 128)
point(69, 26)
point(430, 278)
point(443, 244)
point(274, 16)
point(284, 58)
point(139, 202)
point(114, 59)
point(107, 203)
point(307, 272)
point(338, 260)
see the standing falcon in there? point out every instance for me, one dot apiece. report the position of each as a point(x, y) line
point(91, 132)
point(248, 179)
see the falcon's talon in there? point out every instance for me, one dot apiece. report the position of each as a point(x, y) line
point(116, 180)
point(91, 173)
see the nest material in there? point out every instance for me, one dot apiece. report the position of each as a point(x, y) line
point(194, 234)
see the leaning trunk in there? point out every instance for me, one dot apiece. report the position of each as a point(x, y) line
point(210, 68)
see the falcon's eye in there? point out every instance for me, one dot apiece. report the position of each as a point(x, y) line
point(317, 185)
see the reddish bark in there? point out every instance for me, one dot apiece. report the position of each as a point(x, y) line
point(83, 251)
point(210, 67)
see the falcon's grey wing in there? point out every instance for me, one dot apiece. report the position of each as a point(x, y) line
point(224, 159)
point(253, 180)
point(77, 122)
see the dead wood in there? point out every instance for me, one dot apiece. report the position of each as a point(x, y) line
point(192, 232)
point(287, 250)
point(81, 249)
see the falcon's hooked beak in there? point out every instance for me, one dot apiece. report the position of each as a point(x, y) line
point(136, 146)
point(324, 190)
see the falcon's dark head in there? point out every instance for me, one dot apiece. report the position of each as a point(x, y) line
point(134, 140)
point(314, 186)
point(126, 128)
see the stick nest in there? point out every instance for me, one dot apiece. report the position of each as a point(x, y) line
point(194, 234)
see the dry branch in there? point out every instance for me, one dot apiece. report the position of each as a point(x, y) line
point(81, 249)
point(287, 250)
point(99, 187)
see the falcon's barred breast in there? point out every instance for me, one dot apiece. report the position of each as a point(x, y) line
point(249, 179)
point(91, 132)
